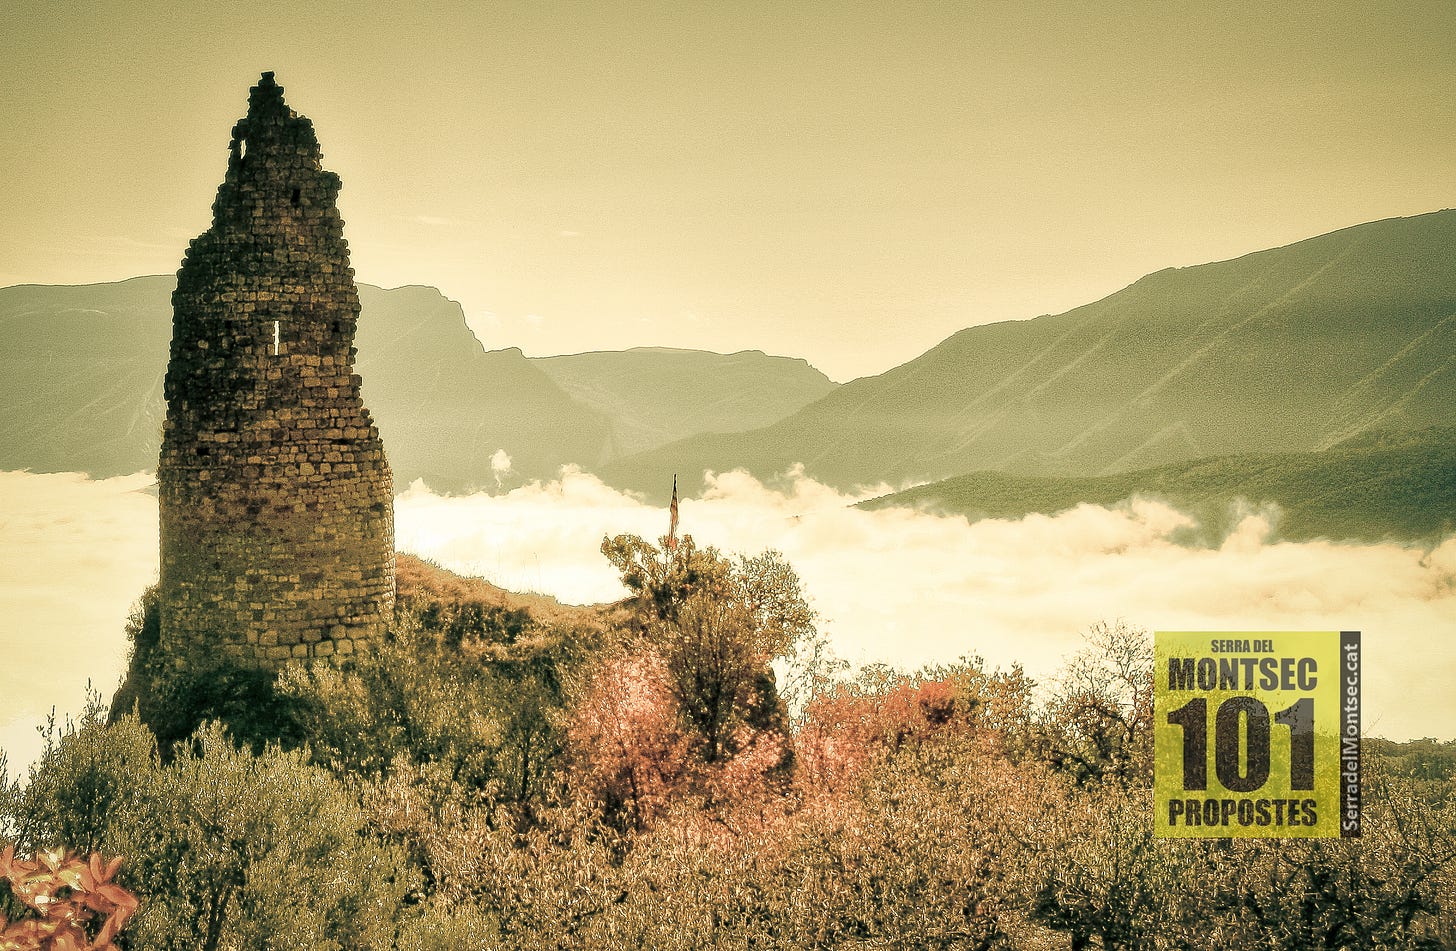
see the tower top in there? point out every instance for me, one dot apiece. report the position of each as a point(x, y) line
point(265, 93)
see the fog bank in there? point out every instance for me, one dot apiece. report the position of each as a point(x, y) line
point(891, 585)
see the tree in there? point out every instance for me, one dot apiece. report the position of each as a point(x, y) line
point(1099, 723)
point(628, 752)
point(1098, 871)
point(714, 665)
point(225, 847)
point(1391, 888)
point(88, 780)
point(717, 624)
point(765, 586)
point(264, 850)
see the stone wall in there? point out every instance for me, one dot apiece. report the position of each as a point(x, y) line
point(277, 519)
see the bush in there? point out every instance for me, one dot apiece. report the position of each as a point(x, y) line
point(225, 847)
point(491, 721)
point(177, 690)
point(70, 905)
point(264, 850)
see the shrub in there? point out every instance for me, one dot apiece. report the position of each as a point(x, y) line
point(71, 905)
point(226, 847)
point(177, 690)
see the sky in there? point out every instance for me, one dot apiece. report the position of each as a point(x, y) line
point(841, 181)
point(848, 182)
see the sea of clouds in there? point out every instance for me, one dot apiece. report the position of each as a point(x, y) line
point(895, 586)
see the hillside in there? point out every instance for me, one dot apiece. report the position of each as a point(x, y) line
point(81, 388)
point(81, 376)
point(1295, 349)
point(421, 583)
point(655, 395)
point(1376, 486)
point(445, 404)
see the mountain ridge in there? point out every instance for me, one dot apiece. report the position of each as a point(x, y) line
point(1377, 486)
point(654, 395)
point(80, 387)
point(1294, 347)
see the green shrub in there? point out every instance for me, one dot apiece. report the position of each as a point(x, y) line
point(225, 847)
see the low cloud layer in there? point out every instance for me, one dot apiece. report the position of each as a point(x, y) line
point(892, 585)
point(74, 555)
point(910, 588)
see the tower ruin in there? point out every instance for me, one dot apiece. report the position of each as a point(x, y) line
point(277, 518)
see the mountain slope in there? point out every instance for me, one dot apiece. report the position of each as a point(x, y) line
point(1294, 348)
point(1375, 486)
point(445, 405)
point(81, 387)
point(655, 395)
point(81, 375)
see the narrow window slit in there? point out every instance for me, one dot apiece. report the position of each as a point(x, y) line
point(296, 197)
point(277, 337)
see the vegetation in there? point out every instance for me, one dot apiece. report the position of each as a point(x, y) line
point(70, 905)
point(1373, 487)
point(510, 773)
point(224, 847)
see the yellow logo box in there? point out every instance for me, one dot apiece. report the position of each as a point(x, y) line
point(1256, 734)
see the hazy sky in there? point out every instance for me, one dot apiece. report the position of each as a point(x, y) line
point(848, 182)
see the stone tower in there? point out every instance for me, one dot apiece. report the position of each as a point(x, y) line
point(277, 518)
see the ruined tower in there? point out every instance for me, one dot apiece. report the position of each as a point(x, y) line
point(277, 520)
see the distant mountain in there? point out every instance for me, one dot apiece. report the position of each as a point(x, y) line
point(81, 388)
point(655, 395)
point(1296, 348)
point(1375, 486)
point(81, 375)
point(445, 405)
